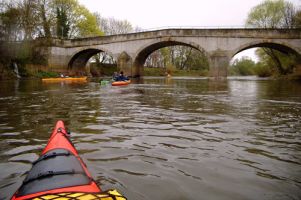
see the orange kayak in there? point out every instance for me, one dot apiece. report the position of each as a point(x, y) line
point(120, 83)
point(67, 79)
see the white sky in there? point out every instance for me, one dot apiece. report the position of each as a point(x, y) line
point(154, 14)
point(163, 13)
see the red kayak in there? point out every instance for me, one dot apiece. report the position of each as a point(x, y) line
point(59, 173)
point(120, 83)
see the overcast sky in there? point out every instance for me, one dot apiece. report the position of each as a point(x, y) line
point(163, 13)
point(153, 14)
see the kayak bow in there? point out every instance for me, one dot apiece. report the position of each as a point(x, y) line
point(59, 173)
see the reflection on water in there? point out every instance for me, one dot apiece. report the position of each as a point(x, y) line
point(176, 138)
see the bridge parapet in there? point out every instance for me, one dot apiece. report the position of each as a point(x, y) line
point(224, 33)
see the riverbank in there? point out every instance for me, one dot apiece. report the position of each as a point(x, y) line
point(15, 70)
point(7, 72)
point(147, 71)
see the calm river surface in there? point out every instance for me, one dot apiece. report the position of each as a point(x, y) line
point(175, 139)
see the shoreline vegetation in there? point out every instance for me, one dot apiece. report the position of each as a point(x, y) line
point(7, 73)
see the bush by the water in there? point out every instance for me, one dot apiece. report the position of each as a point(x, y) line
point(156, 71)
point(242, 67)
point(42, 74)
point(263, 70)
point(247, 67)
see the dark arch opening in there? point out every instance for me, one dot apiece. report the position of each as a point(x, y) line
point(283, 58)
point(279, 47)
point(147, 51)
point(78, 63)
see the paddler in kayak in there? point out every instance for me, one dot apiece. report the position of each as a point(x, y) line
point(115, 76)
point(121, 77)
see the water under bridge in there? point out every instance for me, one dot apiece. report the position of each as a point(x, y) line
point(131, 50)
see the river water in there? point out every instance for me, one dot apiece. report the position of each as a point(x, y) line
point(171, 139)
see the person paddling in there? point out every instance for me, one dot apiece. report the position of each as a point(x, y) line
point(121, 77)
point(115, 76)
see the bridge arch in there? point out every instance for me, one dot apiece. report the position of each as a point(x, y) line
point(282, 47)
point(79, 59)
point(142, 53)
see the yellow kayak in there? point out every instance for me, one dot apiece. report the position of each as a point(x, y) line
point(68, 79)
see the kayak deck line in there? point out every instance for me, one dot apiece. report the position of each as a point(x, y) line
point(50, 155)
point(60, 170)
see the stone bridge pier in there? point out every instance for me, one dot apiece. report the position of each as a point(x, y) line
point(125, 64)
point(218, 63)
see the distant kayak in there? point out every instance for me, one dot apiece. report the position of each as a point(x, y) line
point(67, 79)
point(120, 83)
point(59, 173)
point(104, 82)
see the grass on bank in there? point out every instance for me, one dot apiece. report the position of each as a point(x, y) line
point(43, 74)
point(147, 71)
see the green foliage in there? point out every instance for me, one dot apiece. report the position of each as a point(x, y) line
point(77, 19)
point(170, 68)
point(26, 53)
point(297, 19)
point(155, 71)
point(63, 26)
point(197, 61)
point(179, 57)
point(165, 52)
point(30, 19)
point(151, 71)
point(263, 70)
point(43, 74)
point(242, 67)
point(87, 25)
point(246, 67)
point(10, 20)
point(285, 62)
point(288, 62)
point(43, 18)
point(272, 14)
point(46, 17)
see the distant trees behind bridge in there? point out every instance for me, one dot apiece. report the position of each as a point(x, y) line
point(22, 20)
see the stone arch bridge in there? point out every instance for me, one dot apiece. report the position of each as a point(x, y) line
point(131, 50)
